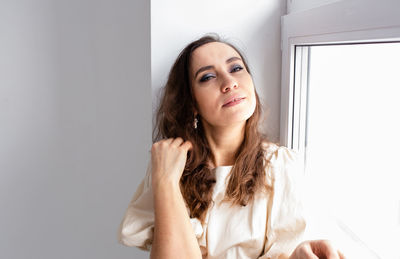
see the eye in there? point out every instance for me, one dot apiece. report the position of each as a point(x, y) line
point(206, 77)
point(236, 68)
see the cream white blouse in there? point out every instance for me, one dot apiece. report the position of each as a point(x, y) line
point(270, 226)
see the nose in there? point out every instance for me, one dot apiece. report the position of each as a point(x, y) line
point(228, 83)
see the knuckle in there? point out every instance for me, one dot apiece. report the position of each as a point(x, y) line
point(303, 248)
point(158, 145)
point(327, 243)
point(163, 143)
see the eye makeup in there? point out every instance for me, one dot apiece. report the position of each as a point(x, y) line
point(207, 77)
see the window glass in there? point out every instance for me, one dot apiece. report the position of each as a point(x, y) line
point(352, 140)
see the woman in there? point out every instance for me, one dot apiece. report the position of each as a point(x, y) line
point(215, 187)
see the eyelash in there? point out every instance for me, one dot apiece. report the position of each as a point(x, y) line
point(206, 77)
point(236, 68)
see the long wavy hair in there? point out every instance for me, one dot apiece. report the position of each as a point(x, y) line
point(175, 118)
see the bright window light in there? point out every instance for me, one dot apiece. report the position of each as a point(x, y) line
point(352, 140)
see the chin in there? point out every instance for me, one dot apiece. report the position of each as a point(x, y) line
point(234, 116)
point(239, 118)
point(247, 113)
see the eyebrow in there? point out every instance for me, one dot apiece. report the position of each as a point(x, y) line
point(229, 60)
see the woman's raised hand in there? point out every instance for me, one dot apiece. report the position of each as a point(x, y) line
point(173, 233)
point(168, 159)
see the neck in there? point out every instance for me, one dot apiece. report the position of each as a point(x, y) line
point(224, 143)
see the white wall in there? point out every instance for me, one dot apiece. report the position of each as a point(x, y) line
point(75, 109)
point(301, 5)
point(254, 26)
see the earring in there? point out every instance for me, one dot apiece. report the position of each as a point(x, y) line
point(195, 122)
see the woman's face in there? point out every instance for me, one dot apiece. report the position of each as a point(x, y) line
point(222, 87)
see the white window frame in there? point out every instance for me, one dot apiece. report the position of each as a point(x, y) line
point(347, 21)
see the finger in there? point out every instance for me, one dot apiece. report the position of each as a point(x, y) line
point(332, 254)
point(187, 145)
point(167, 141)
point(341, 255)
point(177, 142)
point(308, 253)
point(324, 248)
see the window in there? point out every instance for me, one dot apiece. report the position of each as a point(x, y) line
point(351, 138)
point(340, 108)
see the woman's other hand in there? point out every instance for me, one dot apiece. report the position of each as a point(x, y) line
point(316, 249)
point(168, 159)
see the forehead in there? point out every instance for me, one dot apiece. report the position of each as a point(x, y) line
point(212, 53)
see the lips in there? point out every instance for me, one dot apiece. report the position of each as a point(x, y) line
point(233, 101)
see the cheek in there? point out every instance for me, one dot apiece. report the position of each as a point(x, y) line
point(252, 95)
point(206, 104)
point(205, 99)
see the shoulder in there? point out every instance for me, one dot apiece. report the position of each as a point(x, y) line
point(280, 155)
point(284, 165)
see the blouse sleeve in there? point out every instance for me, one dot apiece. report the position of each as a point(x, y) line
point(137, 226)
point(286, 222)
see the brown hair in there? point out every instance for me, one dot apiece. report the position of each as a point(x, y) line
point(175, 119)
